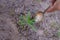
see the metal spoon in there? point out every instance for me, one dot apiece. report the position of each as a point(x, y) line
point(40, 15)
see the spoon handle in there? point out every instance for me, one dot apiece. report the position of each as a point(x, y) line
point(46, 10)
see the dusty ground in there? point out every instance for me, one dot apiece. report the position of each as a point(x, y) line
point(10, 11)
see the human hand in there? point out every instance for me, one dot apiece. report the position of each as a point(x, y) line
point(55, 6)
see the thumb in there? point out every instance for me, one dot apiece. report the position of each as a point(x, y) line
point(52, 8)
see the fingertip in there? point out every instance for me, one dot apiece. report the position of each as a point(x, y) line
point(51, 9)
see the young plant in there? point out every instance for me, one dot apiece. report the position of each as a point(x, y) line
point(27, 20)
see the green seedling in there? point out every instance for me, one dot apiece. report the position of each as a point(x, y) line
point(27, 20)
